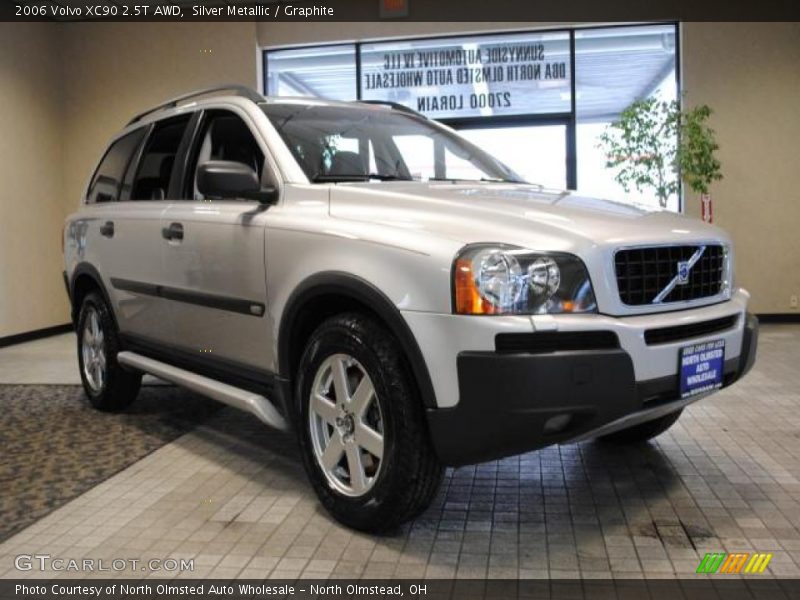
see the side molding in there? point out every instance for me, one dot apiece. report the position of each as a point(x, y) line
point(228, 303)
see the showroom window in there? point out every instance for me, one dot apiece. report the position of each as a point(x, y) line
point(614, 67)
point(536, 100)
point(455, 78)
point(326, 72)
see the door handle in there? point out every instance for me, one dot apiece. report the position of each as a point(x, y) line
point(173, 232)
point(107, 229)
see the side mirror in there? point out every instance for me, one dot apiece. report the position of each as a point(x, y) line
point(230, 179)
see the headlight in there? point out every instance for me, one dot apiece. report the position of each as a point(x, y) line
point(504, 280)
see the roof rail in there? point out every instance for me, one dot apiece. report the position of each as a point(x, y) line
point(395, 106)
point(238, 90)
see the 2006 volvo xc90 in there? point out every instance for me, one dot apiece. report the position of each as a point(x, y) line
point(396, 296)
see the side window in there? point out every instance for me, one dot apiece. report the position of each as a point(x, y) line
point(223, 136)
point(107, 180)
point(155, 167)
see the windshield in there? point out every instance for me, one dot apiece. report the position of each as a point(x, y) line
point(344, 143)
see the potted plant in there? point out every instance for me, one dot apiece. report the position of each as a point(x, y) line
point(654, 144)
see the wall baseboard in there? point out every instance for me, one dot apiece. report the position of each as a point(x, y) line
point(29, 336)
point(779, 318)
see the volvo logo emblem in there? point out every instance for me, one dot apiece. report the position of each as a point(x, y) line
point(682, 278)
point(683, 272)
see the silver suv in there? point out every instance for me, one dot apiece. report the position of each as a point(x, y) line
point(392, 293)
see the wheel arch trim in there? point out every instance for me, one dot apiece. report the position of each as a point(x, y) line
point(87, 269)
point(357, 289)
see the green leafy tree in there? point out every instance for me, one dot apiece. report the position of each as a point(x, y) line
point(654, 144)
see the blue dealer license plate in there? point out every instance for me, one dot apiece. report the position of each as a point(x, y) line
point(702, 366)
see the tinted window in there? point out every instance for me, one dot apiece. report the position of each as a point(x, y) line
point(224, 136)
point(158, 158)
point(107, 180)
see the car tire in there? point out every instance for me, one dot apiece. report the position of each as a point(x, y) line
point(362, 427)
point(644, 431)
point(108, 386)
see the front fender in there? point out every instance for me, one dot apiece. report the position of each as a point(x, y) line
point(347, 285)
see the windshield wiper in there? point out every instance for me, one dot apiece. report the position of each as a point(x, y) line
point(490, 180)
point(322, 178)
point(388, 177)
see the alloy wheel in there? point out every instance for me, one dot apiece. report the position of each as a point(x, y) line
point(93, 351)
point(346, 424)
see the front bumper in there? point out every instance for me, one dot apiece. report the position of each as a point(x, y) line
point(510, 403)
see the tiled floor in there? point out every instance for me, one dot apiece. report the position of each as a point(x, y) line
point(232, 495)
point(52, 360)
point(55, 446)
point(46, 361)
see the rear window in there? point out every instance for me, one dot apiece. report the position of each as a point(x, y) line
point(107, 180)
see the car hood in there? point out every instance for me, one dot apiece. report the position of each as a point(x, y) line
point(518, 214)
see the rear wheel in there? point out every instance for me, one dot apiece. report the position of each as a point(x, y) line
point(643, 431)
point(362, 428)
point(107, 384)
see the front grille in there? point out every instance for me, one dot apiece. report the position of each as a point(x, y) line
point(665, 335)
point(555, 341)
point(642, 273)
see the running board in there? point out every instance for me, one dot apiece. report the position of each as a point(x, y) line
point(216, 390)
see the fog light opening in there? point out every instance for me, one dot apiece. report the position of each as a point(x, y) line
point(557, 424)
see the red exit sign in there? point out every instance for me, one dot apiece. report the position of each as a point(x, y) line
point(392, 9)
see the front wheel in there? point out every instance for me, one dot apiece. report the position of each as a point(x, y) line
point(362, 428)
point(107, 385)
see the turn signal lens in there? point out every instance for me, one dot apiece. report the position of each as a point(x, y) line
point(467, 297)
